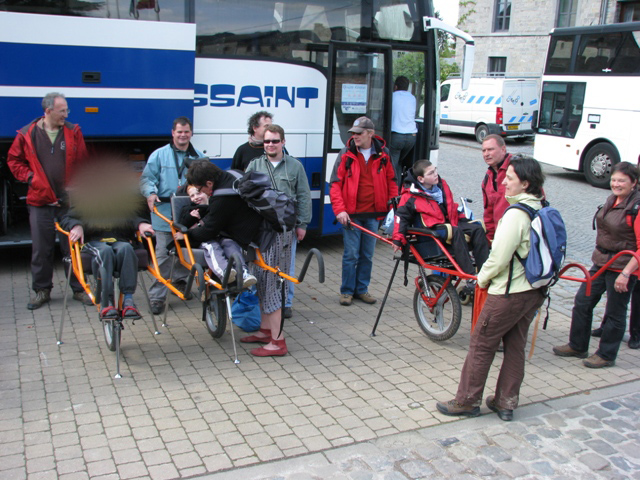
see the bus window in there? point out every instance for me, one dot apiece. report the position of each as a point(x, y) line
point(394, 21)
point(444, 92)
point(561, 108)
point(282, 29)
point(152, 10)
point(559, 58)
point(627, 59)
point(596, 52)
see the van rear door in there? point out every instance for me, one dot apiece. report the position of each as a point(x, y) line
point(519, 100)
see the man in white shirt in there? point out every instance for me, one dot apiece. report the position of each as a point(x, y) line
point(403, 125)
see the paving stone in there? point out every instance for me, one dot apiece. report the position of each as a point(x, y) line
point(481, 467)
point(601, 447)
point(611, 437)
point(593, 461)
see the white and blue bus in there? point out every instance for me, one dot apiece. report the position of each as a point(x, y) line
point(129, 68)
point(589, 104)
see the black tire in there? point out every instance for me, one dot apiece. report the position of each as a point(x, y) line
point(443, 321)
point(481, 131)
point(465, 299)
point(214, 315)
point(598, 163)
point(110, 334)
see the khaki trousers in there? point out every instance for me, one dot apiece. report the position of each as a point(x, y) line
point(507, 319)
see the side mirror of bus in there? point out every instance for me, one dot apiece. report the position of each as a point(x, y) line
point(431, 23)
point(534, 121)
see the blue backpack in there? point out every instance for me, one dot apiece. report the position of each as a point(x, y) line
point(548, 240)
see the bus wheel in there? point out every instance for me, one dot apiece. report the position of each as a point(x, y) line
point(481, 132)
point(598, 163)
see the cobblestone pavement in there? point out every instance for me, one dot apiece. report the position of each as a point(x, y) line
point(586, 436)
point(185, 409)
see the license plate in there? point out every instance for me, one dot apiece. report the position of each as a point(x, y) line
point(513, 127)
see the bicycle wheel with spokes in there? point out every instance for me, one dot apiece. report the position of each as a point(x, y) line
point(441, 320)
point(214, 315)
point(110, 332)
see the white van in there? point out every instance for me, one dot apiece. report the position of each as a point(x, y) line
point(498, 105)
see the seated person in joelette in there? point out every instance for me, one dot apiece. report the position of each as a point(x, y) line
point(104, 218)
point(218, 251)
point(427, 202)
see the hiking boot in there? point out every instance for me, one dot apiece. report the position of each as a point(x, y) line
point(288, 312)
point(345, 299)
point(454, 409)
point(157, 307)
point(505, 414)
point(567, 351)
point(82, 297)
point(42, 296)
point(365, 297)
point(182, 286)
point(634, 341)
point(596, 361)
point(596, 332)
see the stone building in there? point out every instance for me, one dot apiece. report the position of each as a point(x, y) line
point(512, 36)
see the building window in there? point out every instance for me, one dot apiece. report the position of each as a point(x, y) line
point(629, 12)
point(567, 13)
point(502, 16)
point(497, 66)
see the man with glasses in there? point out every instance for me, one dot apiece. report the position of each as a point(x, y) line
point(164, 173)
point(291, 178)
point(45, 154)
point(362, 183)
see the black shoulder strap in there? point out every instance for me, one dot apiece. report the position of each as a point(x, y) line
point(593, 222)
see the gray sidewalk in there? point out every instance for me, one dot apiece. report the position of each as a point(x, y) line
point(185, 409)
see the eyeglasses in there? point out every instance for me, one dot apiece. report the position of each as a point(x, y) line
point(275, 142)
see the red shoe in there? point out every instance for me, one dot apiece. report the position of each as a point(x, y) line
point(256, 339)
point(279, 352)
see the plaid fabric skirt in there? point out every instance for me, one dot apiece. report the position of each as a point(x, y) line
point(269, 286)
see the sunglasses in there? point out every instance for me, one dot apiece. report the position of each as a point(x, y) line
point(275, 142)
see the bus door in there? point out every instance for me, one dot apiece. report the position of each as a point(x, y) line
point(359, 84)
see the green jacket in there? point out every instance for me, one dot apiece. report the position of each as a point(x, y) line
point(512, 235)
point(291, 178)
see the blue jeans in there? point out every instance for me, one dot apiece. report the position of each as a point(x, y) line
point(357, 259)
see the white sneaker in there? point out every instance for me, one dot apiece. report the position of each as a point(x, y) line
point(232, 276)
point(248, 280)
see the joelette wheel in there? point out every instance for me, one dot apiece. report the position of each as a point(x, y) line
point(441, 320)
point(214, 315)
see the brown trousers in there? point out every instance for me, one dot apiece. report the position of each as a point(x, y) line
point(507, 319)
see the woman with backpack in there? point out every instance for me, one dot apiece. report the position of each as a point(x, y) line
point(617, 229)
point(504, 316)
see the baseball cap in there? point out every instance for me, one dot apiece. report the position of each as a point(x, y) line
point(361, 124)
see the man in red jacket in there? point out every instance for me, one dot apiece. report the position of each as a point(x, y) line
point(45, 154)
point(494, 152)
point(362, 183)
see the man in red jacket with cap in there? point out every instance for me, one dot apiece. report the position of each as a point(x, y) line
point(362, 182)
